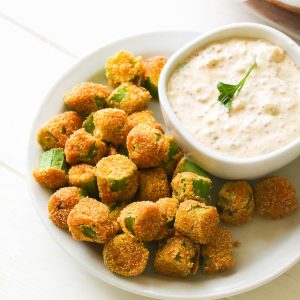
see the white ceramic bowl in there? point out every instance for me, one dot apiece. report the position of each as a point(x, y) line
point(212, 161)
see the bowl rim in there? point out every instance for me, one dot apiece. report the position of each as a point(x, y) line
point(188, 49)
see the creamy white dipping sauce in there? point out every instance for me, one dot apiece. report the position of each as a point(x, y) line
point(264, 116)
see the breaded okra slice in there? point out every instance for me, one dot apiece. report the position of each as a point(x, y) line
point(152, 69)
point(52, 169)
point(168, 207)
point(55, 132)
point(123, 67)
point(62, 202)
point(196, 221)
point(129, 97)
point(186, 165)
point(89, 221)
point(146, 146)
point(111, 125)
point(236, 203)
point(174, 156)
point(177, 257)
point(153, 184)
point(125, 255)
point(82, 147)
point(117, 179)
point(146, 117)
point(188, 185)
point(87, 97)
point(84, 176)
point(217, 254)
point(143, 220)
point(275, 197)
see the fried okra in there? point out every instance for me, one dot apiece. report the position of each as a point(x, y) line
point(52, 169)
point(55, 132)
point(146, 146)
point(119, 149)
point(152, 69)
point(173, 157)
point(146, 117)
point(82, 147)
point(178, 257)
point(168, 207)
point(61, 203)
point(117, 179)
point(84, 176)
point(89, 221)
point(153, 184)
point(111, 125)
point(115, 211)
point(186, 165)
point(236, 203)
point(129, 97)
point(123, 67)
point(275, 197)
point(187, 185)
point(87, 97)
point(217, 254)
point(196, 221)
point(125, 255)
point(143, 220)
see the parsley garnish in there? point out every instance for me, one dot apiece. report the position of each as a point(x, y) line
point(227, 91)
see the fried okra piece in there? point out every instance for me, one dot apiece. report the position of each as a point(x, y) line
point(146, 117)
point(275, 197)
point(146, 146)
point(55, 132)
point(84, 176)
point(168, 207)
point(88, 124)
point(115, 210)
point(217, 254)
point(62, 202)
point(189, 185)
point(178, 257)
point(152, 69)
point(153, 184)
point(196, 221)
point(117, 179)
point(129, 97)
point(236, 203)
point(52, 169)
point(143, 220)
point(123, 67)
point(82, 147)
point(87, 97)
point(111, 125)
point(174, 156)
point(125, 255)
point(186, 165)
point(89, 221)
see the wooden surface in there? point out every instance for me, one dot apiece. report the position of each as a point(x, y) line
point(39, 41)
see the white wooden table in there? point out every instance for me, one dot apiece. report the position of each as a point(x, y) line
point(38, 41)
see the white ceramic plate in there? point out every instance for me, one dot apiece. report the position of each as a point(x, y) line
point(267, 249)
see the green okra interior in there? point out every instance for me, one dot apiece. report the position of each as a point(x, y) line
point(173, 149)
point(91, 188)
point(53, 158)
point(88, 232)
point(202, 188)
point(100, 102)
point(129, 222)
point(188, 166)
point(119, 94)
point(151, 87)
point(88, 124)
point(117, 185)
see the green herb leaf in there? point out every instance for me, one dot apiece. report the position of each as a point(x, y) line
point(129, 221)
point(89, 232)
point(227, 91)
